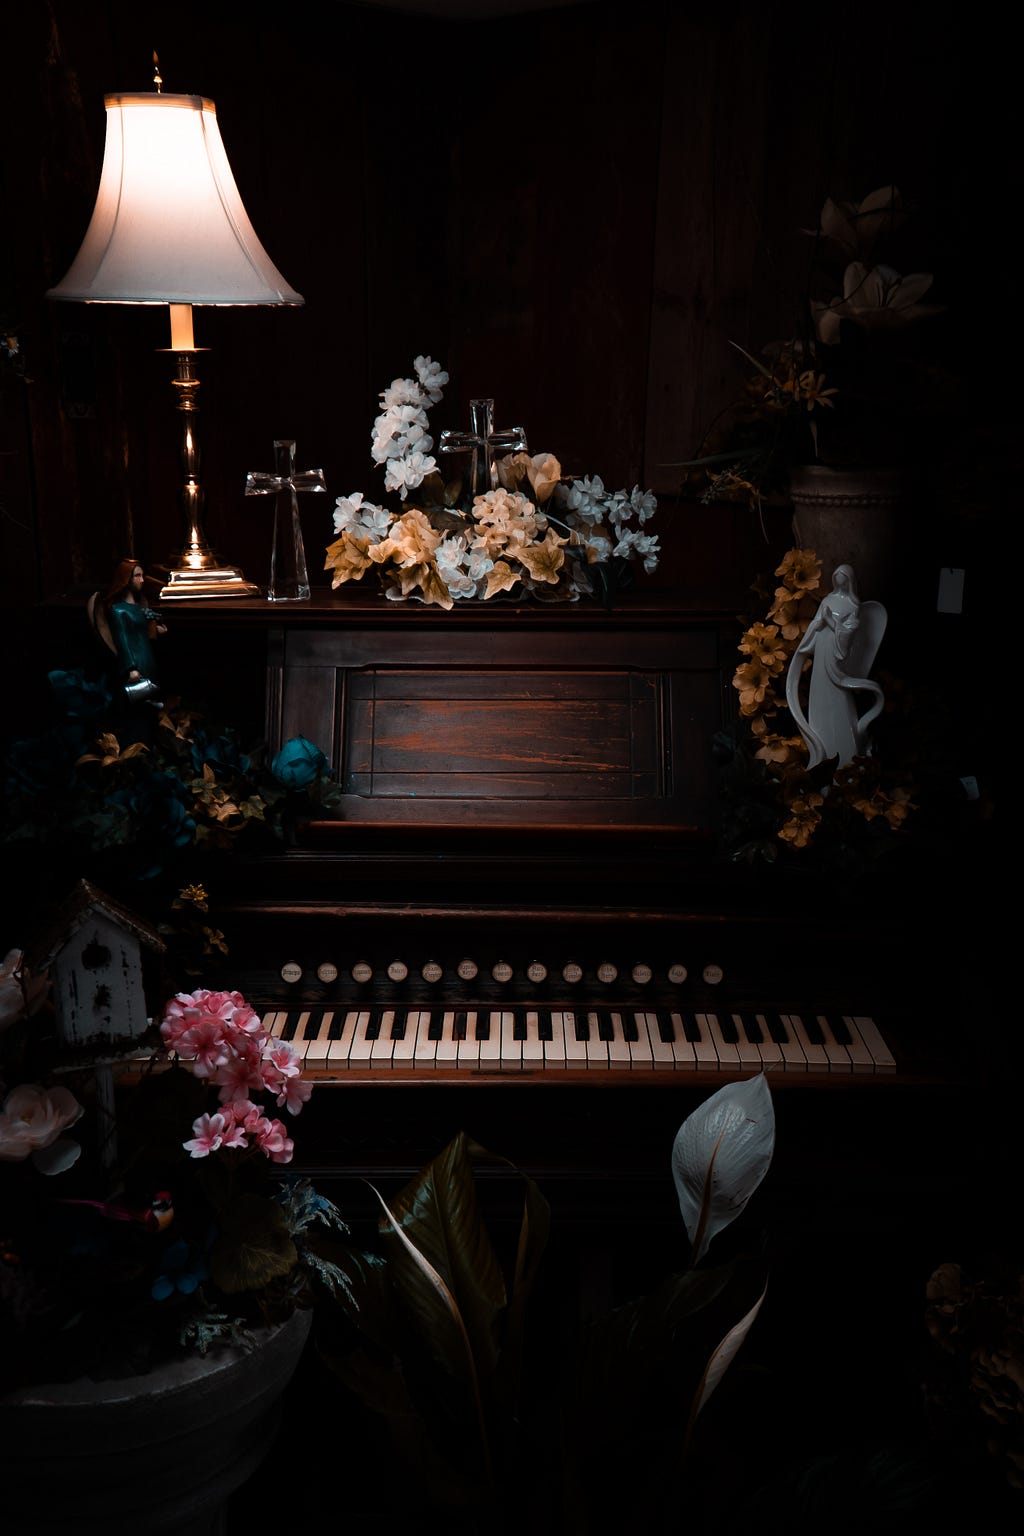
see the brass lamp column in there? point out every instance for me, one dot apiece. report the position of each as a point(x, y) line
point(169, 227)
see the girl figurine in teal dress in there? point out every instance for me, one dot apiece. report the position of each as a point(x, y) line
point(127, 626)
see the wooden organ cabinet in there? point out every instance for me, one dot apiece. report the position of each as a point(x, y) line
point(517, 923)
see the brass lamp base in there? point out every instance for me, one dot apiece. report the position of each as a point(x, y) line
point(226, 581)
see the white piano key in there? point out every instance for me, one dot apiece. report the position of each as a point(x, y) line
point(748, 1052)
point(447, 1053)
point(490, 1045)
point(869, 1033)
point(274, 1024)
point(838, 1055)
point(861, 1059)
point(426, 1048)
point(728, 1052)
point(640, 1052)
point(793, 1058)
point(470, 1045)
point(337, 1051)
point(662, 1054)
point(683, 1050)
point(359, 1050)
point(511, 1048)
point(555, 1048)
point(705, 1049)
point(618, 1047)
point(575, 1050)
point(597, 1049)
point(382, 1048)
point(817, 1061)
point(769, 1050)
point(403, 1046)
point(298, 1041)
point(318, 1046)
point(533, 1045)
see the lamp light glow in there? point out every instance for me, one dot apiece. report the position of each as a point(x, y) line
point(169, 227)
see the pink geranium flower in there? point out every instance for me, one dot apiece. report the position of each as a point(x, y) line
point(204, 1041)
point(207, 1135)
point(294, 1093)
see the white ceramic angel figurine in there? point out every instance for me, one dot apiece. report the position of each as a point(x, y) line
point(842, 640)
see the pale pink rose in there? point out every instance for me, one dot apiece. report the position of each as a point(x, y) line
point(33, 1118)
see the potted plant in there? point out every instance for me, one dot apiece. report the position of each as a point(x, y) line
point(839, 417)
point(152, 1312)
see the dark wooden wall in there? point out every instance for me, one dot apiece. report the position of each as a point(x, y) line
point(575, 209)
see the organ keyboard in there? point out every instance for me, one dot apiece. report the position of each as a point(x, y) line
point(462, 1044)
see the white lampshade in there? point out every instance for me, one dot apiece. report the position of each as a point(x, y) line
point(169, 226)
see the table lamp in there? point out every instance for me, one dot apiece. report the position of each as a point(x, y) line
point(169, 228)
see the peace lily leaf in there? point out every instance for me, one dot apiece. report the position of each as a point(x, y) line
point(723, 1357)
point(623, 1352)
point(720, 1155)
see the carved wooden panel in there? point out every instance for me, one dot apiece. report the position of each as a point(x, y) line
point(581, 727)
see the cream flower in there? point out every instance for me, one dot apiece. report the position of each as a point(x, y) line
point(875, 299)
point(31, 1124)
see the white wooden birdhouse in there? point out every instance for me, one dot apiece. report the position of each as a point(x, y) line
point(93, 951)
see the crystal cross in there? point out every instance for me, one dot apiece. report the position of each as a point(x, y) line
point(289, 581)
point(484, 441)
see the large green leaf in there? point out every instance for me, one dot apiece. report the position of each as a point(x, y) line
point(438, 1216)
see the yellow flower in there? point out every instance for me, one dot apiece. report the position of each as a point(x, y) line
point(895, 807)
point(764, 642)
point(541, 471)
point(809, 388)
point(110, 751)
point(804, 816)
point(800, 570)
point(753, 680)
point(781, 749)
point(792, 613)
point(411, 541)
point(193, 896)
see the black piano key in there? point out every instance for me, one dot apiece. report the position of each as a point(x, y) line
point(398, 1025)
point(840, 1030)
point(777, 1028)
point(752, 1029)
point(483, 1025)
point(544, 1029)
point(691, 1029)
point(605, 1026)
point(666, 1029)
point(727, 1024)
point(630, 1029)
point(519, 1025)
point(814, 1030)
point(373, 1027)
point(461, 1026)
point(337, 1026)
point(434, 1028)
point(582, 1027)
point(291, 1024)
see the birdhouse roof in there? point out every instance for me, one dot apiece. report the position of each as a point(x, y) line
point(85, 901)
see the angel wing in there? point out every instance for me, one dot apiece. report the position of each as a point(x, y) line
point(98, 621)
point(867, 638)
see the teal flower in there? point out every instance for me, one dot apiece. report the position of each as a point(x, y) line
point(299, 764)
